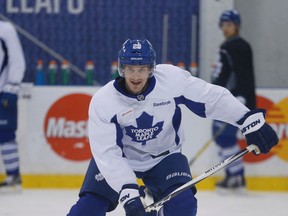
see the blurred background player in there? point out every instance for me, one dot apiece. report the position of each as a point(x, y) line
point(137, 132)
point(234, 71)
point(12, 68)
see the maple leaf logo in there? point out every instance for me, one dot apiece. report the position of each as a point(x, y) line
point(144, 131)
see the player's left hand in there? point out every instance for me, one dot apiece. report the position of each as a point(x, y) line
point(8, 100)
point(257, 131)
point(130, 199)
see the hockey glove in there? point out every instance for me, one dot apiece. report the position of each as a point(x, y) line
point(130, 199)
point(257, 131)
point(8, 100)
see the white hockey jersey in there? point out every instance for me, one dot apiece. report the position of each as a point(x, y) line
point(12, 62)
point(135, 132)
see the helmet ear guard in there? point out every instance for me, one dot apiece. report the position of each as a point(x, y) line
point(136, 52)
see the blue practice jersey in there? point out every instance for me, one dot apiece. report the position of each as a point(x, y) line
point(234, 70)
point(135, 132)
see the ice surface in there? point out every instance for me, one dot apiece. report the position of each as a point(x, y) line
point(58, 202)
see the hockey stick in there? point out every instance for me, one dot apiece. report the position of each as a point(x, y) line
point(209, 172)
point(207, 144)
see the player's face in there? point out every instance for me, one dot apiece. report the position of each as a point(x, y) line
point(136, 77)
point(229, 29)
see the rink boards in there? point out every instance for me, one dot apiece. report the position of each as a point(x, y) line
point(54, 148)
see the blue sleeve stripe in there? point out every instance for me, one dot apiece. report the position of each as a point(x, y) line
point(5, 59)
point(119, 132)
point(176, 123)
point(196, 107)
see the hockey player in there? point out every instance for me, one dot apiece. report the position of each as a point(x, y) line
point(234, 71)
point(135, 131)
point(12, 68)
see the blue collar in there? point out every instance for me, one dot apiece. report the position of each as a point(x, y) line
point(119, 84)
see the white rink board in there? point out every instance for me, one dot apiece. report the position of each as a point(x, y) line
point(37, 157)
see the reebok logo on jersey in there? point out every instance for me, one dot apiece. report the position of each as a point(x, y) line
point(145, 131)
point(162, 103)
point(248, 127)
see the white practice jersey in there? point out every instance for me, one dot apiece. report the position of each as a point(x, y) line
point(135, 132)
point(12, 62)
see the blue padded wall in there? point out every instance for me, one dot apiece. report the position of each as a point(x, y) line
point(98, 32)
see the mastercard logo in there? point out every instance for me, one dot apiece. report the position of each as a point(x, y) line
point(277, 118)
point(65, 127)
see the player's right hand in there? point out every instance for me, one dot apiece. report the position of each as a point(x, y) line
point(257, 131)
point(130, 199)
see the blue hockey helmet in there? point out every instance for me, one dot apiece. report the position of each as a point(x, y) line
point(230, 16)
point(136, 52)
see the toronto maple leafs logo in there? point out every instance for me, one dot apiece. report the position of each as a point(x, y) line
point(145, 131)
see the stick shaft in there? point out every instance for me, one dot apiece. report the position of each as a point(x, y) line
point(203, 176)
